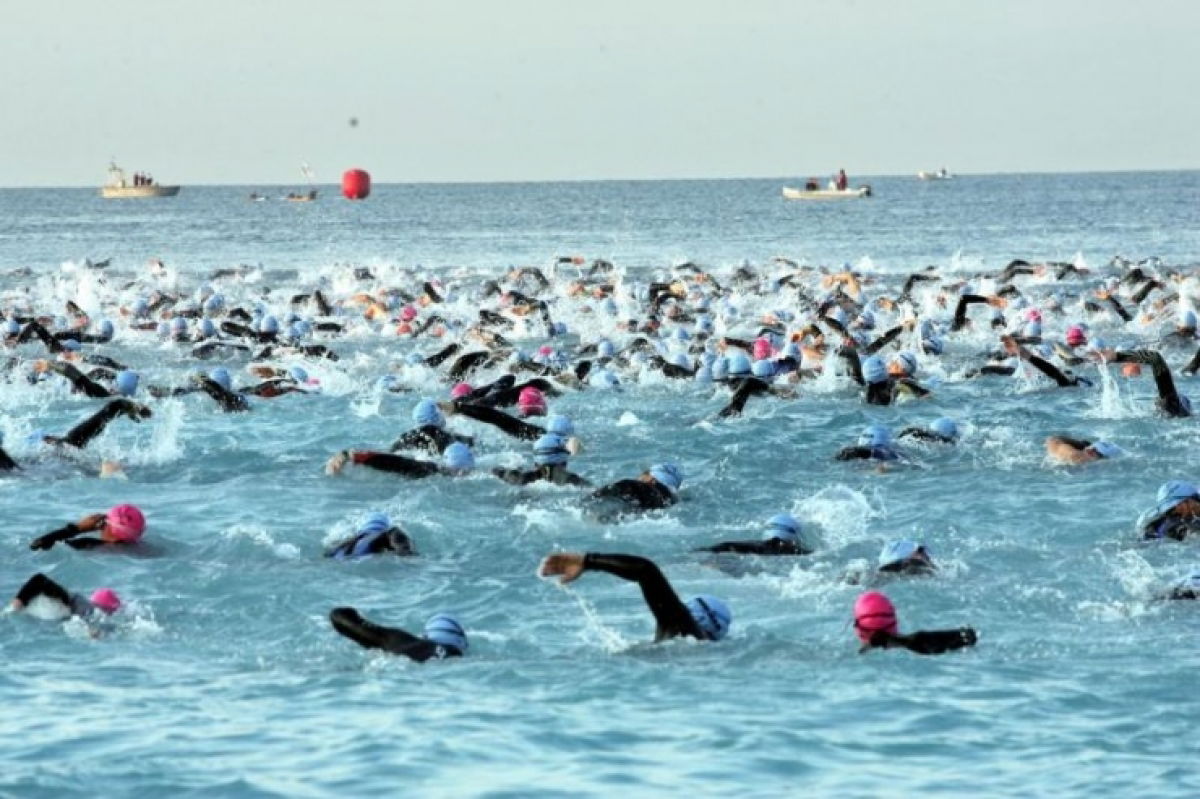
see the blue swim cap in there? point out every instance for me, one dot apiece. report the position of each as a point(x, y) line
point(1106, 449)
point(214, 304)
point(178, 325)
point(875, 436)
point(704, 324)
point(668, 474)
point(550, 450)
point(907, 362)
point(269, 324)
point(945, 427)
point(605, 349)
point(720, 369)
point(558, 329)
point(140, 307)
point(221, 377)
point(837, 314)
point(874, 370)
point(1033, 329)
point(866, 320)
point(36, 437)
point(126, 383)
point(1191, 582)
point(681, 360)
point(764, 369)
point(71, 345)
point(1187, 319)
point(444, 629)
point(896, 551)
point(106, 328)
point(1172, 493)
point(712, 616)
point(376, 522)
point(933, 345)
point(738, 364)
point(458, 457)
point(560, 425)
point(12, 327)
point(785, 527)
point(299, 374)
point(792, 350)
point(163, 329)
point(703, 375)
point(681, 334)
point(427, 413)
point(207, 328)
point(414, 359)
point(604, 378)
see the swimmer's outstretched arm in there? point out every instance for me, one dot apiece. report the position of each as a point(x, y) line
point(1193, 365)
point(435, 360)
point(466, 364)
point(1168, 396)
point(34, 328)
point(78, 379)
point(70, 533)
point(672, 615)
point(508, 424)
point(349, 623)
point(387, 462)
point(749, 386)
point(7, 464)
point(40, 585)
point(81, 434)
point(881, 342)
point(229, 402)
point(925, 642)
point(960, 311)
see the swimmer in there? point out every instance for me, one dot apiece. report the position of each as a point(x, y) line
point(457, 461)
point(550, 455)
point(7, 464)
point(656, 488)
point(1176, 514)
point(874, 443)
point(942, 431)
point(1060, 378)
point(1186, 588)
point(783, 536)
point(444, 636)
point(81, 434)
point(218, 384)
point(376, 535)
point(1078, 451)
point(705, 618)
point(877, 628)
point(430, 433)
point(883, 386)
point(47, 599)
point(1170, 402)
point(905, 557)
point(121, 525)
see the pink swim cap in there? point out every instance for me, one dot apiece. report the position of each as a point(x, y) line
point(126, 523)
point(1033, 315)
point(408, 313)
point(545, 350)
point(874, 612)
point(762, 349)
point(107, 600)
point(531, 402)
point(460, 390)
point(1076, 336)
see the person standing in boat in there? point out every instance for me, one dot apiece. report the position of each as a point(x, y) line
point(842, 181)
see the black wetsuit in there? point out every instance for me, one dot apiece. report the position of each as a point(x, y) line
point(749, 387)
point(430, 438)
point(508, 424)
point(639, 493)
point(769, 546)
point(557, 474)
point(80, 381)
point(7, 464)
point(349, 623)
point(397, 464)
point(39, 585)
point(81, 434)
point(926, 642)
point(68, 534)
point(1169, 401)
point(672, 616)
point(922, 434)
point(392, 540)
point(1170, 525)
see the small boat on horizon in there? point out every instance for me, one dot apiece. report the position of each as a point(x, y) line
point(941, 174)
point(790, 193)
point(119, 187)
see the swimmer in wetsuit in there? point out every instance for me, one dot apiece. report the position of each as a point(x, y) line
point(122, 524)
point(905, 557)
point(81, 434)
point(783, 536)
point(1170, 402)
point(444, 636)
point(942, 431)
point(550, 455)
point(874, 443)
point(376, 536)
point(876, 626)
point(457, 461)
point(430, 433)
point(1176, 514)
point(883, 387)
point(705, 618)
point(62, 604)
point(1078, 451)
point(1187, 588)
point(653, 489)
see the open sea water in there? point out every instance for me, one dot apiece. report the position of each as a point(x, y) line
point(222, 676)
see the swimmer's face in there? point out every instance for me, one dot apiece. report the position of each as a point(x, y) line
point(1188, 508)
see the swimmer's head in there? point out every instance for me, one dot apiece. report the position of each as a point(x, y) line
point(124, 524)
point(703, 375)
point(903, 552)
point(1032, 329)
point(783, 526)
point(903, 365)
point(945, 427)
point(458, 458)
point(207, 328)
point(668, 474)
point(106, 328)
point(1075, 336)
point(1106, 449)
point(12, 327)
point(106, 600)
point(268, 325)
point(874, 612)
point(874, 370)
point(763, 370)
point(376, 522)
point(738, 364)
point(112, 469)
point(551, 450)
point(460, 390)
point(1131, 370)
point(560, 425)
point(222, 378)
point(531, 402)
point(605, 349)
point(761, 348)
point(426, 414)
point(298, 373)
point(712, 616)
point(126, 383)
point(445, 630)
point(1187, 321)
point(214, 304)
point(875, 436)
point(408, 313)
point(71, 345)
point(179, 326)
point(1174, 493)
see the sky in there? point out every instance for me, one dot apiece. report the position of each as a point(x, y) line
point(222, 92)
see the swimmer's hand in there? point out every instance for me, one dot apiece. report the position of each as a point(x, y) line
point(338, 462)
point(567, 566)
point(43, 542)
point(136, 411)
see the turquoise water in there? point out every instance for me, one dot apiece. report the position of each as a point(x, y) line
point(223, 678)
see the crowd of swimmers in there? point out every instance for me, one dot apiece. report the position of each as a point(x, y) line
point(757, 334)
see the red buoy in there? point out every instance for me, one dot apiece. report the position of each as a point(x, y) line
point(356, 184)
